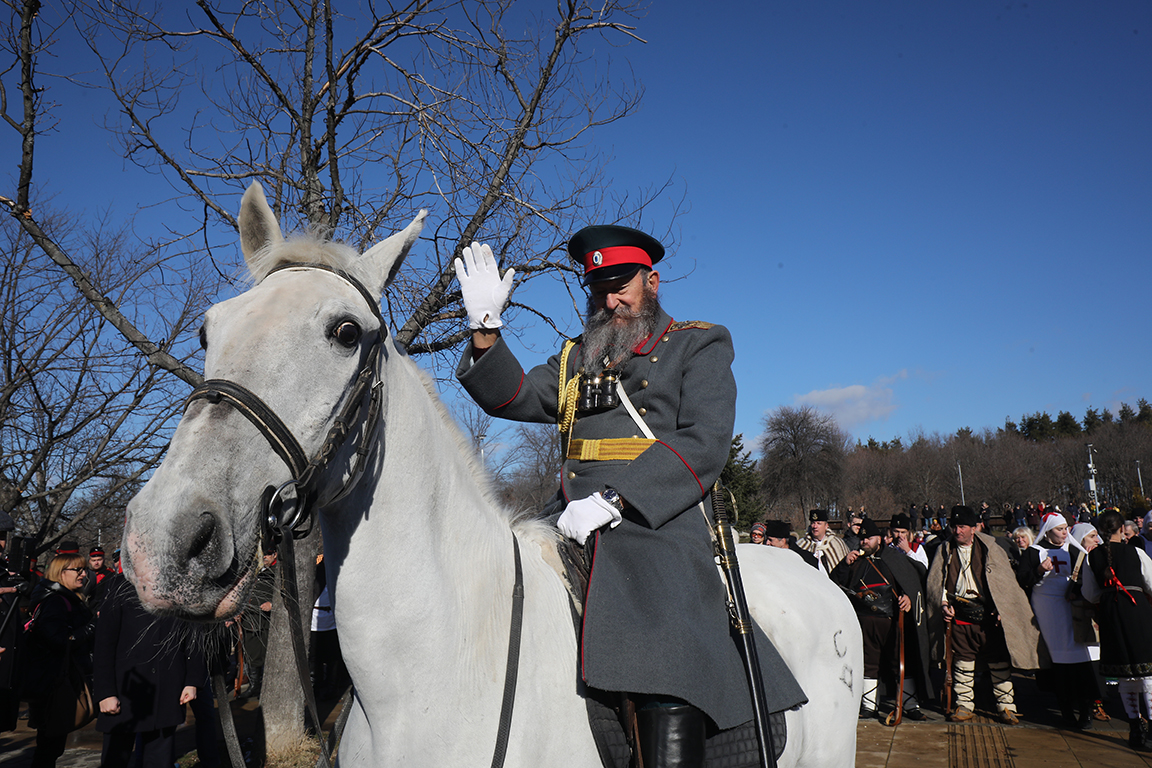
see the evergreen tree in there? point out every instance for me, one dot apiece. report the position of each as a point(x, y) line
point(1091, 420)
point(742, 479)
point(1066, 425)
point(1143, 412)
point(1127, 415)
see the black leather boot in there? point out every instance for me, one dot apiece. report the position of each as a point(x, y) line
point(1138, 734)
point(671, 737)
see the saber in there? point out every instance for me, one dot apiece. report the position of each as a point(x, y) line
point(742, 621)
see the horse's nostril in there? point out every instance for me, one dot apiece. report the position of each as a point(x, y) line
point(202, 536)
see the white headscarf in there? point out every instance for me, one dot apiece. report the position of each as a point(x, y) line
point(1050, 521)
point(1079, 531)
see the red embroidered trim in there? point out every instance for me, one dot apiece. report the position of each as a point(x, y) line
point(518, 388)
point(694, 477)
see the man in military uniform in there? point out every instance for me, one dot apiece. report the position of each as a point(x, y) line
point(646, 407)
point(973, 588)
point(97, 580)
point(882, 583)
point(825, 545)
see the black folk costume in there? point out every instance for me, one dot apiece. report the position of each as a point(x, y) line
point(655, 621)
point(993, 625)
point(1119, 578)
point(874, 583)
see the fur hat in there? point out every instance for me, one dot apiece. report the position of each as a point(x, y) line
point(962, 515)
point(777, 529)
point(818, 516)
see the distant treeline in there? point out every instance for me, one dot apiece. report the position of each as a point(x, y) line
point(806, 461)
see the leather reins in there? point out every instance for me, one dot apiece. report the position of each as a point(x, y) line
point(281, 522)
point(278, 516)
point(282, 518)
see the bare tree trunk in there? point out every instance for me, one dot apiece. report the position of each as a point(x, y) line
point(281, 697)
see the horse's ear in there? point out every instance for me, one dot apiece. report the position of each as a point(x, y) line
point(381, 262)
point(258, 225)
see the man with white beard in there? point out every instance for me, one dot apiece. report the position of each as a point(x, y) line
point(646, 408)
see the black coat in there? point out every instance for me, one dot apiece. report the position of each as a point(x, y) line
point(908, 576)
point(145, 661)
point(60, 615)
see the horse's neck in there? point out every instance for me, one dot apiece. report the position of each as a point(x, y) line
point(432, 551)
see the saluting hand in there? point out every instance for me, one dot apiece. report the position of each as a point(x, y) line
point(483, 291)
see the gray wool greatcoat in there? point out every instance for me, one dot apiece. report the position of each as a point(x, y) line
point(655, 620)
point(1020, 629)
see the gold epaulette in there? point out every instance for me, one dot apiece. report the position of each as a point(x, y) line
point(686, 324)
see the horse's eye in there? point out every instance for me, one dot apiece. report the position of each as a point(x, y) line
point(203, 338)
point(347, 333)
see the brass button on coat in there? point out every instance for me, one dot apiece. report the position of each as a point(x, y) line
point(642, 411)
point(653, 358)
point(571, 475)
point(644, 384)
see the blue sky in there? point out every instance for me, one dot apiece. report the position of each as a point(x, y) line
point(915, 216)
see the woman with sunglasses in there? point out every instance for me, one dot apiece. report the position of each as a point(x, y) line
point(60, 616)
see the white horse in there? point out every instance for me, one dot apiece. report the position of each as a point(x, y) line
point(419, 554)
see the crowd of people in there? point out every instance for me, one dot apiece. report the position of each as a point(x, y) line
point(80, 617)
point(1066, 596)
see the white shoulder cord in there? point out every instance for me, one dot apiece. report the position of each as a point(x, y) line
point(648, 434)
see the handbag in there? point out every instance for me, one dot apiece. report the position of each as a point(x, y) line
point(69, 704)
point(1084, 629)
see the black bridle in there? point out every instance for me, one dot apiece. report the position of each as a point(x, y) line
point(284, 517)
point(281, 513)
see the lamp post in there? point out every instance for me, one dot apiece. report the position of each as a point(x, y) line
point(1090, 483)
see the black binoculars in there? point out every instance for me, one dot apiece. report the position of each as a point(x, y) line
point(598, 393)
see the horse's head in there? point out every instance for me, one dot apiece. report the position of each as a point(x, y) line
point(297, 343)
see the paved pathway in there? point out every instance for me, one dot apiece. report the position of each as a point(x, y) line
point(984, 743)
point(935, 743)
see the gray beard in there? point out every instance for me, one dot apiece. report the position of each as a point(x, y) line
point(605, 339)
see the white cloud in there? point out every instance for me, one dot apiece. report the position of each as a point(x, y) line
point(856, 404)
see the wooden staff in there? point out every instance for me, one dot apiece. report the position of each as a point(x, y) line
point(947, 692)
point(897, 714)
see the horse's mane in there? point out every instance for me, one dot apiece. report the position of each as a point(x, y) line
point(525, 521)
point(309, 247)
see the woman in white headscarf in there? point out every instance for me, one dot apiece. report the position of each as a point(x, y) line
point(1045, 571)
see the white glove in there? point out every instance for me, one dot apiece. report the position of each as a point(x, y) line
point(583, 516)
point(484, 293)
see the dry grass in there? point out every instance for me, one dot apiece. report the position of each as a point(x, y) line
point(303, 754)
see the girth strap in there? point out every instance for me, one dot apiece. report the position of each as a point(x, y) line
point(609, 449)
